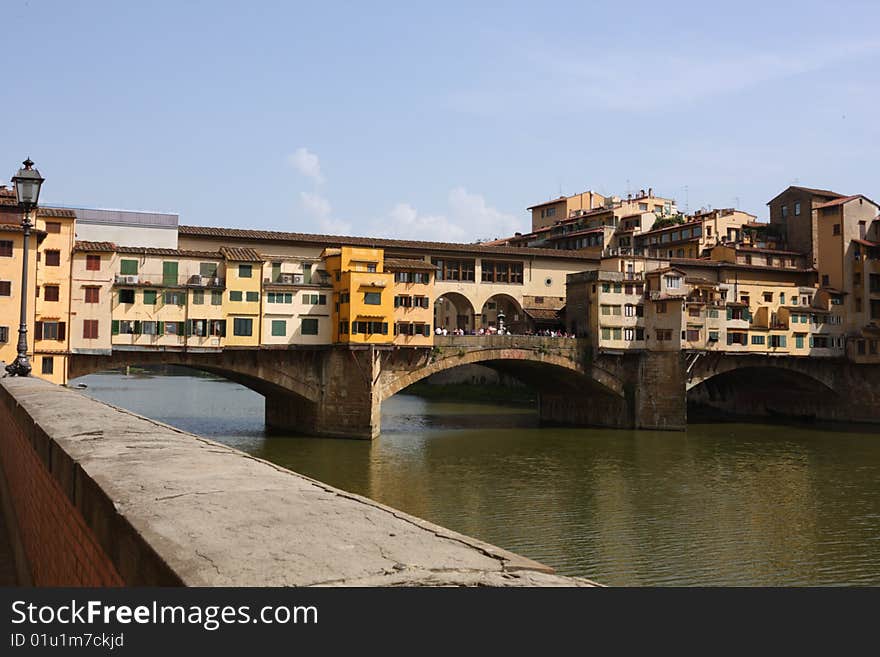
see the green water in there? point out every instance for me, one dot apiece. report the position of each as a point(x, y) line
point(732, 504)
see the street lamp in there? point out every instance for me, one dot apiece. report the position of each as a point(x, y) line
point(27, 192)
point(500, 317)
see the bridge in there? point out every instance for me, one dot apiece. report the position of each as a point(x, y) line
point(338, 390)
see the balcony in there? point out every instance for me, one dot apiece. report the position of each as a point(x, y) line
point(160, 280)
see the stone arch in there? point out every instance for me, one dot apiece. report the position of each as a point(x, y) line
point(514, 315)
point(545, 371)
point(453, 310)
point(250, 368)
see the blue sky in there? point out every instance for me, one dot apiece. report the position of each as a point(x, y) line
point(436, 120)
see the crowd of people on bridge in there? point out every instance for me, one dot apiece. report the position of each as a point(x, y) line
point(492, 330)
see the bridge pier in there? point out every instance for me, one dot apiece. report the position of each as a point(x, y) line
point(654, 397)
point(347, 406)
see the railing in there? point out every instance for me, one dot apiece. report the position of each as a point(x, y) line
point(160, 280)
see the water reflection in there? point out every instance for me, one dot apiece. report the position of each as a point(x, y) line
point(740, 504)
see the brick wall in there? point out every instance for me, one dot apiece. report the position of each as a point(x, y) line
point(60, 548)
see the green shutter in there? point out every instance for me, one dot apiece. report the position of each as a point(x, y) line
point(150, 297)
point(279, 328)
point(114, 327)
point(729, 314)
point(169, 272)
point(128, 267)
point(160, 328)
point(137, 326)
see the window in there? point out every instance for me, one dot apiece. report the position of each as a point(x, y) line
point(5, 288)
point(198, 297)
point(50, 293)
point(454, 270)
point(243, 326)
point(713, 336)
point(768, 297)
point(279, 297)
point(617, 288)
point(366, 328)
point(6, 248)
point(797, 208)
point(253, 296)
point(149, 328)
point(245, 271)
point(53, 258)
point(858, 305)
point(53, 227)
point(48, 331)
point(217, 327)
point(713, 313)
point(825, 280)
point(661, 307)
point(371, 267)
point(784, 211)
point(799, 341)
point(502, 272)
point(673, 282)
point(234, 296)
point(874, 282)
point(606, 333)
point(93, 263)
point(175, 298)
point(126, 296)
point(48, 365)
point(860, 347)
point(150, 297)
point(758, 339)
point(777, 341)
point(279, 328)
point(373, 298)
point(606, 287)
point(736, 337)
point(694, 311)
point(836, 229)
point(90, 329)
point(216, 297)
point(315, 299)
point(208, 269)
point(629, 310)
point(169, 272)
point(128, 267)
point(4, 334)
point(664, 335)
point(310, 326)
point(693, 335)
point(343, 327)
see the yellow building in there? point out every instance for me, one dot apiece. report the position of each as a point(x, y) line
point(166, 298)
point(363, 295)
point(91, 296)
point(52, 304)
point(297, 302)
point(242, 303)
point(11, 243)
point(413, 294)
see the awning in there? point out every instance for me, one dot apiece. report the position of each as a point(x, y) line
point(542, 314)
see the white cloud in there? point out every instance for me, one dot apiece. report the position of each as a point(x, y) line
point(307, 163)
point(469, 218)
point(320, 211)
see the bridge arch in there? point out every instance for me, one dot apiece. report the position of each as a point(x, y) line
point(253, 369)
point(544, 370)
point(453, 310)
point(514, 316)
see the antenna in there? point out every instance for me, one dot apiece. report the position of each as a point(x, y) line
point(686, 200)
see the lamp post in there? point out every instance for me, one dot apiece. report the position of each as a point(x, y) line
point(27, 192)
point(500, 317)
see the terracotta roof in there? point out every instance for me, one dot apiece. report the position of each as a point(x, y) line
point(94, 246)
point(408, 264)
point(844, 199)
point(585, 231)
point(811, 190)
point(16, 228)
point(699, 262)
point(63, 213)
point(756, 249)
point(542, 313)
point(146, 250)
point(240, 254)
point(540, 205)
point(376, 242)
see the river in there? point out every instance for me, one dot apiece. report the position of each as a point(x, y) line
point(721, 504)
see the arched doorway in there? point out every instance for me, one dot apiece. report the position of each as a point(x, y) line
point(503, 307)
point(454, 311)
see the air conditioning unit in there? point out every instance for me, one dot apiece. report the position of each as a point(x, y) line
point(128, 279)
point(267, 280)
point(196, 280)
point(215, 281)
point(655, 295)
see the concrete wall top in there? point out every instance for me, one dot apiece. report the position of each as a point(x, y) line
point(215, 516)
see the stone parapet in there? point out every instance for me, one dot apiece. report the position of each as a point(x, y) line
point(101, 496)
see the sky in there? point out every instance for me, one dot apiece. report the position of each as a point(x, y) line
point(435, 121)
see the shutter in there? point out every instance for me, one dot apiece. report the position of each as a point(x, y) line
point(811, 341)
point(114, 327)
point(181, 327)
point(189, 327)
point(61, 330)
point(137, 327)
point(160, 328)
point(222, 328)
point(384, 328)
point(38, 330)
point(729, 315)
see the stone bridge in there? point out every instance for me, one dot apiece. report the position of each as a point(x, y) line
point(339, 390)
